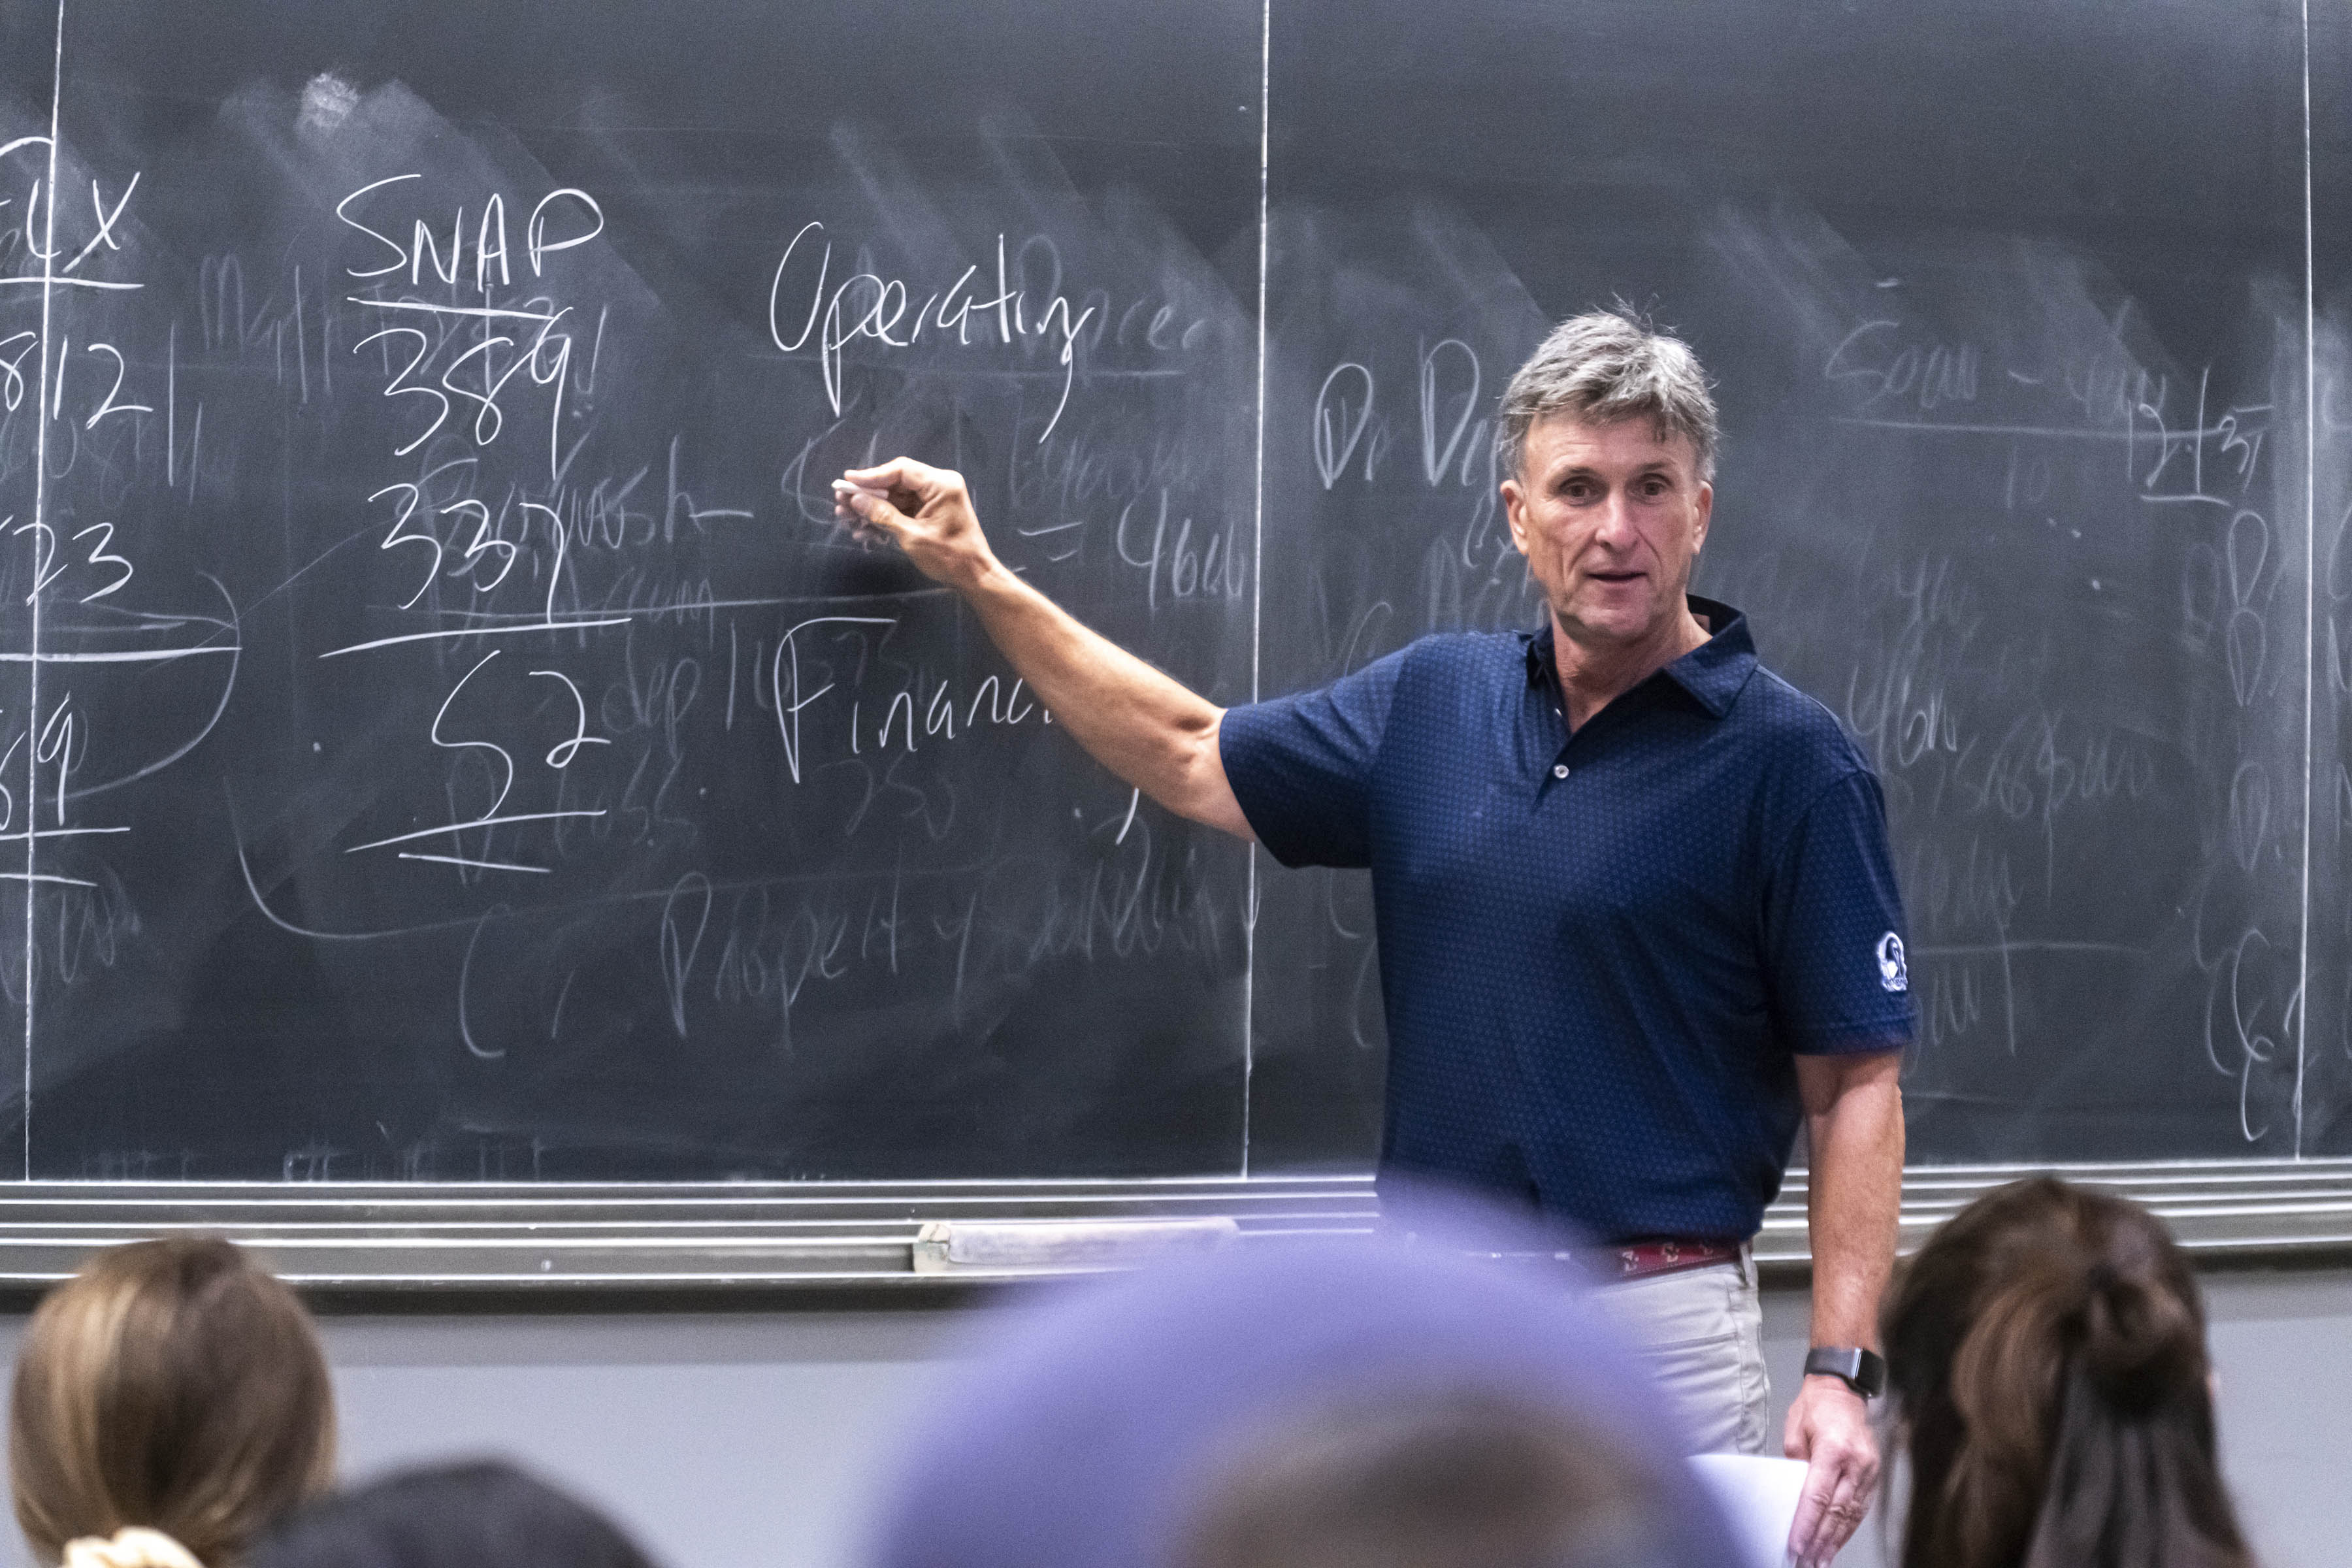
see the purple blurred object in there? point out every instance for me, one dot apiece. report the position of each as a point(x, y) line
point(1092, 1420)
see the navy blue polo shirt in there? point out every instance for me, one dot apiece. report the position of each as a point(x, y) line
point(1601, 951)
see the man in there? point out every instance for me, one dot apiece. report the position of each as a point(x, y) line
point(1637, 916)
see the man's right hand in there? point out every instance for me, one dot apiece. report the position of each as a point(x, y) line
point(926, 513)
point(1133, 719)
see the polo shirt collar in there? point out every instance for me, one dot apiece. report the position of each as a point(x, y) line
point(1712, 672)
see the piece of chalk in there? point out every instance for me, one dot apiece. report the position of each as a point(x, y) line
point(853, 487)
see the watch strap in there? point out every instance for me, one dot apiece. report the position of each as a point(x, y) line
point(1863, 1370)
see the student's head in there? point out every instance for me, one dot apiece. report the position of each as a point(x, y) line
point(1370, 1405)
point(483, 1514)
point(2047, 1356)
point(170, 1385)
point(1461, 1480)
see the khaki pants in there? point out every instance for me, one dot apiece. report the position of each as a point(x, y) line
point(1700, 1334)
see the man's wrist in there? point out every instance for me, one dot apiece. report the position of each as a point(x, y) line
point(1860, 1370)
point(987, 577)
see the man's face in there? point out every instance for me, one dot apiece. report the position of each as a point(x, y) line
point(1610, 519)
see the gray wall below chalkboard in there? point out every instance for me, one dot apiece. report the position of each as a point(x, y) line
point(755, 1438)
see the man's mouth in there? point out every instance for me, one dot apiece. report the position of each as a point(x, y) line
point(1628, 575)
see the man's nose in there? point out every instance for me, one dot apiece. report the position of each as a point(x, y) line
point(1616, 522)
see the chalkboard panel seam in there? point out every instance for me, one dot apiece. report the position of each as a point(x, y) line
point(2310, 581)
point(1258, 539)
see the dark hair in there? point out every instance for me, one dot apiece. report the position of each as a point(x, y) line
point(2047, 1355)
point(479, 1514)
point(171, 1386)
point(1461, 1480)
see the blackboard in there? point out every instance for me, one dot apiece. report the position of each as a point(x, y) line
point(489, 368)
point(417, 414)
point(2009, 310)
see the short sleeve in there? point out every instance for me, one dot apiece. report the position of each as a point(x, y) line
point(1301, 766)
point(1833, 930)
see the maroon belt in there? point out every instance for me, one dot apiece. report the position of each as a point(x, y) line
point(1641, 1259)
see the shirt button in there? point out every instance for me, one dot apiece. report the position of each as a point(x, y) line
point(1560, 770)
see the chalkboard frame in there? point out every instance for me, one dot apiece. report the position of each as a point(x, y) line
point(563, 1242)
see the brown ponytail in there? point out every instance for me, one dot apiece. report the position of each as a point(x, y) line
point(2048, 1360)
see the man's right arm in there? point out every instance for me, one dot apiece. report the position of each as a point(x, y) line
point(1134, 720)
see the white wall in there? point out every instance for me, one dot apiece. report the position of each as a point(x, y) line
point(753, 1439)
point(748, 1440)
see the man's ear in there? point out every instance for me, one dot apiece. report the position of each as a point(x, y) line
point(1515, 507)
point(1705, 516)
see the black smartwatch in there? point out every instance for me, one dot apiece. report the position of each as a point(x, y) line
point(1863, 1370)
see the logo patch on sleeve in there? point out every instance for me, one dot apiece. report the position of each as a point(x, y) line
point(1891, 972)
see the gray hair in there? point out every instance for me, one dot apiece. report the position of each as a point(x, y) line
point(1604, 366)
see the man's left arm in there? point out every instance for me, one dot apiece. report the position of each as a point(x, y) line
point(1853, 1196)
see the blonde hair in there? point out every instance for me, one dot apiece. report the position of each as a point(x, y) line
point(170, 1385)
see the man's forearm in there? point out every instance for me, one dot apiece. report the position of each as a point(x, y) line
point(1853, 1203)
point(1854, 1197)
point(1136, 720)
